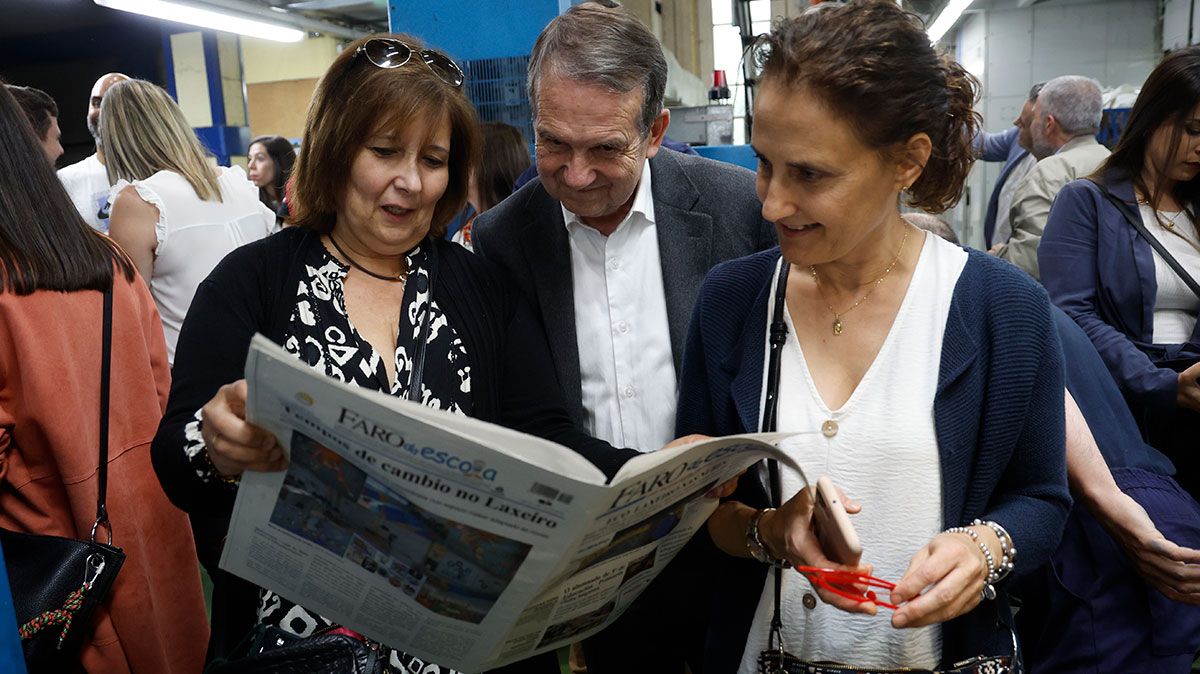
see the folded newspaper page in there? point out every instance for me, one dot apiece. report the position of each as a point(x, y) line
point(458, 541)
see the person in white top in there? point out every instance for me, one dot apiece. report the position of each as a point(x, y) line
point(923, 379)
point(1101, 267)
point(173, 213)
point(87, 180)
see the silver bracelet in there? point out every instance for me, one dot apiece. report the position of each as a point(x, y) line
point(989, 587)
point(758, 549)
point(1008, 552)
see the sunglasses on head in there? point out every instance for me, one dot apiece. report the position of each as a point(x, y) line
point(388, 52)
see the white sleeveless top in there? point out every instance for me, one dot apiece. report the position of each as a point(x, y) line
point(1175, 305)
point(884, 454)
point(194, 235)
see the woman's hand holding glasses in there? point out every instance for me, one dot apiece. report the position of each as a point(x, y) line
point(953, 568)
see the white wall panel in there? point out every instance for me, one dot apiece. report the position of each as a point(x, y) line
point(1113, 41)
point(1175, 23)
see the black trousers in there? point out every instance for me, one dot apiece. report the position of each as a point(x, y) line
point(663, 630)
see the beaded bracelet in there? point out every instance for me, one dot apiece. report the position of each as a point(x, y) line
point(1008, 552)
point(758, 549)
point(989, 588)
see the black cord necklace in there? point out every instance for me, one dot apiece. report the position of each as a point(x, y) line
point(393, 279)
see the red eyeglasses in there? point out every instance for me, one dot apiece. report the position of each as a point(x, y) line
point(848, 584)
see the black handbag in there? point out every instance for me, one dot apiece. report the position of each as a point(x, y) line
point(57, 583)
point(269, 650)
point(775, 659)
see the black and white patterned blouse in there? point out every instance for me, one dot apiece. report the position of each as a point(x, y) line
point(320, 333)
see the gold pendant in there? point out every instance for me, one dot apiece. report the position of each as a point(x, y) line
point(837, 326)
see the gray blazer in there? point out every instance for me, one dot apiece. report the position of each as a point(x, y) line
point(706, 212)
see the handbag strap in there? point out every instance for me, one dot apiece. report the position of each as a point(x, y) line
point(778, 337)
point(1150, 238)
point(105, 371)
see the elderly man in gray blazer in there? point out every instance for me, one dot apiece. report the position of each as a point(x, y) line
point(1066, 117)
point(610, 244)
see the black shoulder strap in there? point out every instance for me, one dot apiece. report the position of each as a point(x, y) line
point(778, 337)
point(105, 371)
point(1136, 221)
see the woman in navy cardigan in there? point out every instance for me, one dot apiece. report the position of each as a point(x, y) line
point(1138, 312)
point(926, 380)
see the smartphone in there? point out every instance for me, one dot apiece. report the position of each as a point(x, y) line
point(838, 539)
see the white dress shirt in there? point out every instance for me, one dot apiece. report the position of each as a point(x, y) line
point(626, 369)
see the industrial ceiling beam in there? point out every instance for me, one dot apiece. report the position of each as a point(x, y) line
point(292, 18)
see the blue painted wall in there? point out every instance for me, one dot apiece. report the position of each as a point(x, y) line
point(475, 29)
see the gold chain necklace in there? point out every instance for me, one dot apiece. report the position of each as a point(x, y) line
point(1169, 225)
point(837, 317)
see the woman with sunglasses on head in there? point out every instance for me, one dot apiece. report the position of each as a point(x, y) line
point(389, 144)
point(924, 379)
point(1103, 269)
point(54, 271)
point(269, 160)
point(173, 212)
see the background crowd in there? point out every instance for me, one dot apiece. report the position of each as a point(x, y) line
point(1041, 396)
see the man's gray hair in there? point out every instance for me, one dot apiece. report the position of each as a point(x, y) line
point(1074, 101)
point(602, 43)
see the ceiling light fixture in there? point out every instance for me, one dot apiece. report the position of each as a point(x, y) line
point(946, 20)
point(205, 18)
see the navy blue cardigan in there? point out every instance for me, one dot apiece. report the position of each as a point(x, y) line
point(1101, 273)
point(998, 416)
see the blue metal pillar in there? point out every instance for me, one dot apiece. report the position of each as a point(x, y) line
point(221, 139)
point(12, 658)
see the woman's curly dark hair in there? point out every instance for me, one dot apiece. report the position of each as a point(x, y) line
point(873, 64)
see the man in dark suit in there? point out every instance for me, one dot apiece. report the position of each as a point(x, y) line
point(610, 244)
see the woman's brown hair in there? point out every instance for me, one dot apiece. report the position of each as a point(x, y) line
point(44, 243)
point(1168, 97)
point(505, 158)
point(356, 99)
point(873, 64)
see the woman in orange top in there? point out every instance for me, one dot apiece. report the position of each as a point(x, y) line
point(53, 270)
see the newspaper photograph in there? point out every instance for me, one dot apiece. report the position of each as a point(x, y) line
point(455, 540)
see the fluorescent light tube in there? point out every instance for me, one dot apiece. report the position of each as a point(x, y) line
point(945, 21)
point(204, 18)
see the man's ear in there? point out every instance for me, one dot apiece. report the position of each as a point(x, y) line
point(912, 160)
point(658, 129)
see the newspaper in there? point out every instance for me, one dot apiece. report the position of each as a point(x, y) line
point(458, 541)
